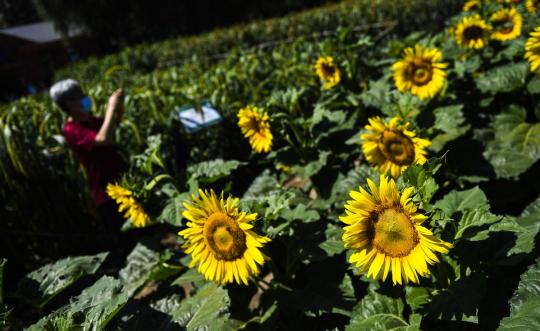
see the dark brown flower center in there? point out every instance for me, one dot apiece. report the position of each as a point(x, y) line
point(397, 147)
point(473, 32)
point(419, 71)
point(224, 237)
point(328, 69)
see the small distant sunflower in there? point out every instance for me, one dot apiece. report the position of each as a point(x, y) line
point(328, 71)
point(385, 234)
point(508, 23)
point(532, 49)
point(472, 5)
point(420, 71)
point(255, 126)
point(532, 6)
point(472, 32)
point(220, 239)
point(391, 148)
point(126, 202)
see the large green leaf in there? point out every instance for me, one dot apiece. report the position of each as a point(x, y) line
point(460, 301)
point(333, 244)
point(143, 264)
point(90, 310)
point(210, 171)
point(41, 285)
point(513, 145)
point(525, 304)
point(263, 184)
point(451, 122)
point(420, 176)
point(505, 78)
point(380, 312)
point(206, 310)
point(454, 201)
point(525, 227)
point(172, 212)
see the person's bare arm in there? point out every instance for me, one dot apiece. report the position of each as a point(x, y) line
point(114, 112)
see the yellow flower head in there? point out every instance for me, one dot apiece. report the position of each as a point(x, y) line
point(420, 71)
point(126, 202)
point(532, 6)
point(508, 23)
point(532, 49)
point(472, 5)
point(220, 239)
point(384, 232)
point(391, 148)
point(472, 32)
point(255, 126)
point(328, 71)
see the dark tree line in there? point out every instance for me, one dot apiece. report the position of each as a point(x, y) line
point(116, 23)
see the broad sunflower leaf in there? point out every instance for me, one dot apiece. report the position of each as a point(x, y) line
point(416, 296)
point(354, 179)
point(469, 65)
point(380, 312)
point(525, 304)
point(505, 78)
point(525, 227)
point(333, 244)
point(41, 285)
point(459, 301)
point(172, 212)
point(514, 145)
point(90, 310)
point(420, 176)
point(454, 201)
point(450, 121)
point(142, 265)
point(263, 184)
point(472, 222)
point(313, 167)
point(534, 85)
point(210, 171)
point(207, 309)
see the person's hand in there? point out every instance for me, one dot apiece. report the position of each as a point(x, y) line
point(116, 104)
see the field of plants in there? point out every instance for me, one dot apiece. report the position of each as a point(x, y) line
point(376, 168)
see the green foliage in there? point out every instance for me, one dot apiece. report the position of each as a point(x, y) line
point(91, 310)
point(525, 304)
point(210, 171)
point(515, 145)
point(451, 121)
point(43, 284)
point(503, 79)
point(380, 312)
point(482, 125)
point(207, 309)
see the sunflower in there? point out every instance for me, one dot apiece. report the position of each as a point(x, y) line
point(532, 6)
point(255, 126)
point(420, 71)
point(328, 71)
point(472, 5)
point(392, 148)
point(472, 32)
point(125, 200)
point(508, 24)
point(220, 239)
point(384, 233)
point(532, 49)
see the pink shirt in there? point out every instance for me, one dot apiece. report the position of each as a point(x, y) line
point(103, 164)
